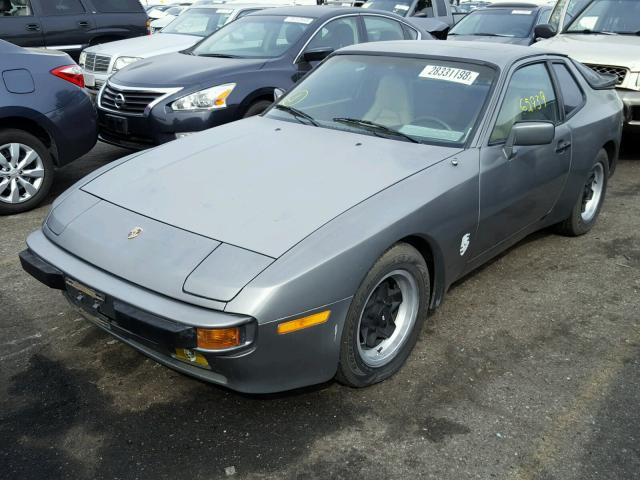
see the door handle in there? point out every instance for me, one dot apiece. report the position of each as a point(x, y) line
point(563, 145)
point(33, 27)
point(83, 24)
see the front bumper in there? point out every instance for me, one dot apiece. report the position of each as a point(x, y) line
point(160, 125)
point(156, 325)
point(631, 101)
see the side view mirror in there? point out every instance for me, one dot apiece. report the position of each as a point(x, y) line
point(544, 30)
point(277, 93)
point(316, 54)
point(526, 134)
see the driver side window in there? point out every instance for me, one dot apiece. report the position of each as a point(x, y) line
point(336, 34)
point(530, 97)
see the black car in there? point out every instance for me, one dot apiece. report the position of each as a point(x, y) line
point(233, 73)
point(70, 25)
point(46, 120)
point(503, 23)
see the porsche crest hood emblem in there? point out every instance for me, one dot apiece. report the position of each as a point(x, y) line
point(134, 233)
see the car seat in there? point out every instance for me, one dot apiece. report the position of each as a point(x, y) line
point(391, 105)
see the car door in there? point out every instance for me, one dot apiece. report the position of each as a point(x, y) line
point(19, 23)
point(332, 35)
point(518, 191)
point(66, 24)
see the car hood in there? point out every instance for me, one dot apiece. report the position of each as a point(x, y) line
point(260, 184)
point(179, 69)
point(485, 38)
point(146, 46)
point(618, 50)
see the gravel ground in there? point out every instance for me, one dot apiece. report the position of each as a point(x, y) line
point(529, 370)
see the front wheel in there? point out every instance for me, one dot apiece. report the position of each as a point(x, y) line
point(26, 171)
point(385, 317)
point(590, 199)
point(257, 108)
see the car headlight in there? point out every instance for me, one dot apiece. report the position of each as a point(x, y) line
point(122, 62)
point(210, 99)
point(83, 59)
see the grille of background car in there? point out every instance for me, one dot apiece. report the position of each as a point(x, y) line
point(619, 72)
point(135, 101)
point(97, 63)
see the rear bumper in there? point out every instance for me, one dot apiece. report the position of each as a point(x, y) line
point(156, 325)
point(75, 128)
point(631, 101)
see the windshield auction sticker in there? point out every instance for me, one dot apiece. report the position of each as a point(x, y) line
point(521, 12)
point(401, 7)
point(303, 20)
point(449, 74)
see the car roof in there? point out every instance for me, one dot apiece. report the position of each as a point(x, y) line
point(312, 11)
point(499, 54)
point(234, 6)
point(528, 6)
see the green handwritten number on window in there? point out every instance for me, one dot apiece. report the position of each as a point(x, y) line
point(533, 102)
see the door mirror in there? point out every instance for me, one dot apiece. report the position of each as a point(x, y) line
point(544, 30)
point(525, 134)
point(277, 93)
point(317, 54)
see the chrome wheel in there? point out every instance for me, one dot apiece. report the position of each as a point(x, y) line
point(388, 318)
point(592, 193)
point(21, 173)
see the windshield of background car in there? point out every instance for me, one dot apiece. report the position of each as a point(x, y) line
point(200, 22)
point(430, 100)
point(255, 36)
point(608, 16)
point(400, 7)
point(507, 22)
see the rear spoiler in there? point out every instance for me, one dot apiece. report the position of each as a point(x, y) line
point(597, 81)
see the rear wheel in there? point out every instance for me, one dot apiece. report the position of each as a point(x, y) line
point(385, 317)
point(26, 171)
point(590, 199)
point(257, 108)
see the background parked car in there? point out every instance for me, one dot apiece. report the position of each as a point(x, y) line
point(46, 120)
point(233, 73)
point(101, 61)
point(503, 23)
point(170, 15)
point(70, 25)
point(604, 36)
point(434, 16)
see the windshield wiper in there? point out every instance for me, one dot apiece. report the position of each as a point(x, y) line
point(297, 113)
point(216, 55)
point(587, 31)
point(375, 127)
point(628, 33)
point(489, 35)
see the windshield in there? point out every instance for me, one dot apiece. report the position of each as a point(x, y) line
point(174, 11)
point(200, 22)
point(504, 22)
point(431, 101)
point(255, 36)
point(608, 16)
point(400, 7)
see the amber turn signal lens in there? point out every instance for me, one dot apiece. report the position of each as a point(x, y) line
point(304, 322)
point(218, 338)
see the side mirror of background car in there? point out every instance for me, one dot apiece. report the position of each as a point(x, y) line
point(525, 134)
point(277, 93)
point(316, 54)
point(544, 30)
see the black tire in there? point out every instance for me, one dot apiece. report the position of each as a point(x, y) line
point(257, 108)
point(20, 136)
point(575, 225)
point(352, 369)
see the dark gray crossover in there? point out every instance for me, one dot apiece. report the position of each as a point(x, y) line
point(311, 242)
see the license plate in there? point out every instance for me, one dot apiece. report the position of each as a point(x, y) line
point(83, 294)
point(117, 124)
point(89, 80)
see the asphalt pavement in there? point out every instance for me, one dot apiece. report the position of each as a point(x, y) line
point(529, 370)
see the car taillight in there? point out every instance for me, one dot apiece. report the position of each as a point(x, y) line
point(70, 73)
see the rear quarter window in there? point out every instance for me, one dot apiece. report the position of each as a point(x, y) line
point(118, 6)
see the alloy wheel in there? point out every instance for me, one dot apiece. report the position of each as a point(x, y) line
point(21, 173)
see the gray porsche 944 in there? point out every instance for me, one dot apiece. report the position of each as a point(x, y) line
point(311, 242)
